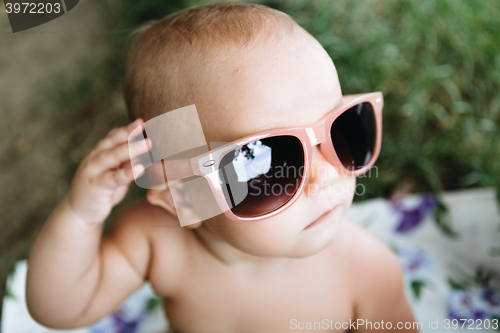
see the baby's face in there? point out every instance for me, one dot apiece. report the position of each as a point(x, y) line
point(270, 87)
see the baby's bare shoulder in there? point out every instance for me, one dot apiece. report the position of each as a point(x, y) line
point(364, 251)
point(139, 219)
point(141, 229)
point(373, 267)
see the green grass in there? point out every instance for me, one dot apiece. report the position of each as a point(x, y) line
point(437, 63)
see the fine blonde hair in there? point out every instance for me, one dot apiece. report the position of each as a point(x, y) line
point(169, 56)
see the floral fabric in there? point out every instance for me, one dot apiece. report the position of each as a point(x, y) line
point(448, 248)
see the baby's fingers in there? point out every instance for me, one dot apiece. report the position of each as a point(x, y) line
point(118, 135)
point(120, 177)
point(114, 157)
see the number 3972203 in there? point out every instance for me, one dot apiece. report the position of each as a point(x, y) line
point(33, 8)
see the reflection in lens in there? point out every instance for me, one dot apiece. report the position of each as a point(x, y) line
point(353, 136)
point(270, 168)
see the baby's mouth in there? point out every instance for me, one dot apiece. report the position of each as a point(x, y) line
point(325, 216)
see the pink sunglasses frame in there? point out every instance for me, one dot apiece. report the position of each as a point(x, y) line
point(207, 164)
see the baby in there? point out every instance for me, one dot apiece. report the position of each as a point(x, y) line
point(271, 263)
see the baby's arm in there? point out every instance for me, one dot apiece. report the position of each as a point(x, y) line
point(76, 276)
point(379, 286)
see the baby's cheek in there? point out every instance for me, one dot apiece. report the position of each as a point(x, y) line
point(263, 238)
point(349, 188)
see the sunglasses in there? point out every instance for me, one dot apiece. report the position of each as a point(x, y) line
point(261, 175)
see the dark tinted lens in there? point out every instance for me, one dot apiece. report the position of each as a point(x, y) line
point(272, 170)
point(353, 136)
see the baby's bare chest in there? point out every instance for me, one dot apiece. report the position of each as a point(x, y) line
point(211, 299)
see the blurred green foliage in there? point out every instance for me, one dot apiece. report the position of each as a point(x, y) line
point(436, 61)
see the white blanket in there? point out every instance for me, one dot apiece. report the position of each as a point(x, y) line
point(446, 277)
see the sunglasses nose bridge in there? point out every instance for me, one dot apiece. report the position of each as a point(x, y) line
point(316, 134)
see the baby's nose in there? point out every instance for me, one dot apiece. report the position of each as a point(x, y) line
point(321, 174)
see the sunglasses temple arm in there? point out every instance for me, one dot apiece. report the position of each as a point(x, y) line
point(188, 167)
point(177, 169)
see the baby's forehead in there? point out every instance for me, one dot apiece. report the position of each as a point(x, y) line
point(268, 87)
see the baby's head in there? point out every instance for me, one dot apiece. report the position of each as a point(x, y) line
point(248, 69)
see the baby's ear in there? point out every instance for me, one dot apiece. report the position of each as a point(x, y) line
point(163, 198)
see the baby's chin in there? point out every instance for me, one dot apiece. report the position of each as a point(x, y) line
point(316, 238)
point(306, 244)
point(295, 244)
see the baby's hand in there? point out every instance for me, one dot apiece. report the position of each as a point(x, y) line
point(103, 177)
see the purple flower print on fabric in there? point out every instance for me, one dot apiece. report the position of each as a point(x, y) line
point(414, 262)
point(412, 218)
point(114, 323)
point(491, 296)
point(416, 267)
point(126, 320)
point(473, 303)
point(463, 304)
point(126, 326)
